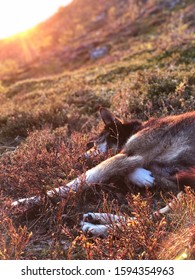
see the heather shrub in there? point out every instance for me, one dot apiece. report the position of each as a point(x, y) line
point(13, 240)
point(44, 160)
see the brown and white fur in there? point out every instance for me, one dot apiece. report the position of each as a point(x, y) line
point(160, 151)
point(157, 150)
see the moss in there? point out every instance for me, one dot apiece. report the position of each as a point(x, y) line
point(159, 85)
point(187, 56)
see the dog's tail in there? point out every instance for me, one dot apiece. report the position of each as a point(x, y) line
point(185, 178)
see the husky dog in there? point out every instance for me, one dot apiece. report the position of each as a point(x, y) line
point(156, 150)
point(159, 150)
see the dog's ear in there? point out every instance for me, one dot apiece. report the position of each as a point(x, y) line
point(108, 118)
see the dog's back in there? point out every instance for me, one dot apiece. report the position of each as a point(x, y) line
point(169, 140)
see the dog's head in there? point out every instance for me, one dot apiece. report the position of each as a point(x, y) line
point(114, 135)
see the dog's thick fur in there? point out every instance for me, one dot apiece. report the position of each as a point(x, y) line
point(164, 147)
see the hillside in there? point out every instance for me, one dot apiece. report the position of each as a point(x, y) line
point(136, 58)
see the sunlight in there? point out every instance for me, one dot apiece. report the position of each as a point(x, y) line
point(20, 15)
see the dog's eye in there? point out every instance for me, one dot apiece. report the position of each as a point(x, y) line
point(89, 145)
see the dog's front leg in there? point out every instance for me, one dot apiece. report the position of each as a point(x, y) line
point(99, 224)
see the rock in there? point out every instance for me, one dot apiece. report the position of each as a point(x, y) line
point(98, 52)
point(100, 17)
point(173, 3)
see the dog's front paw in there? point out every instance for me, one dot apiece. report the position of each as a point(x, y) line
point(102, 218)
point(93, 218)
point(94, 230)
point(141, 177)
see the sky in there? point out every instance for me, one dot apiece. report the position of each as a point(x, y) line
point(20, 15)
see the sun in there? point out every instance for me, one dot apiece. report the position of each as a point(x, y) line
point(20, 15)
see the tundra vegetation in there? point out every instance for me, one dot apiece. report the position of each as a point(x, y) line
point(134, 57)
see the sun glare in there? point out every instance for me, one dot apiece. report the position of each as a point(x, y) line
point(20, 15)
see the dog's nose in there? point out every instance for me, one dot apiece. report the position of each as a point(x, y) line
point(89, 145)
